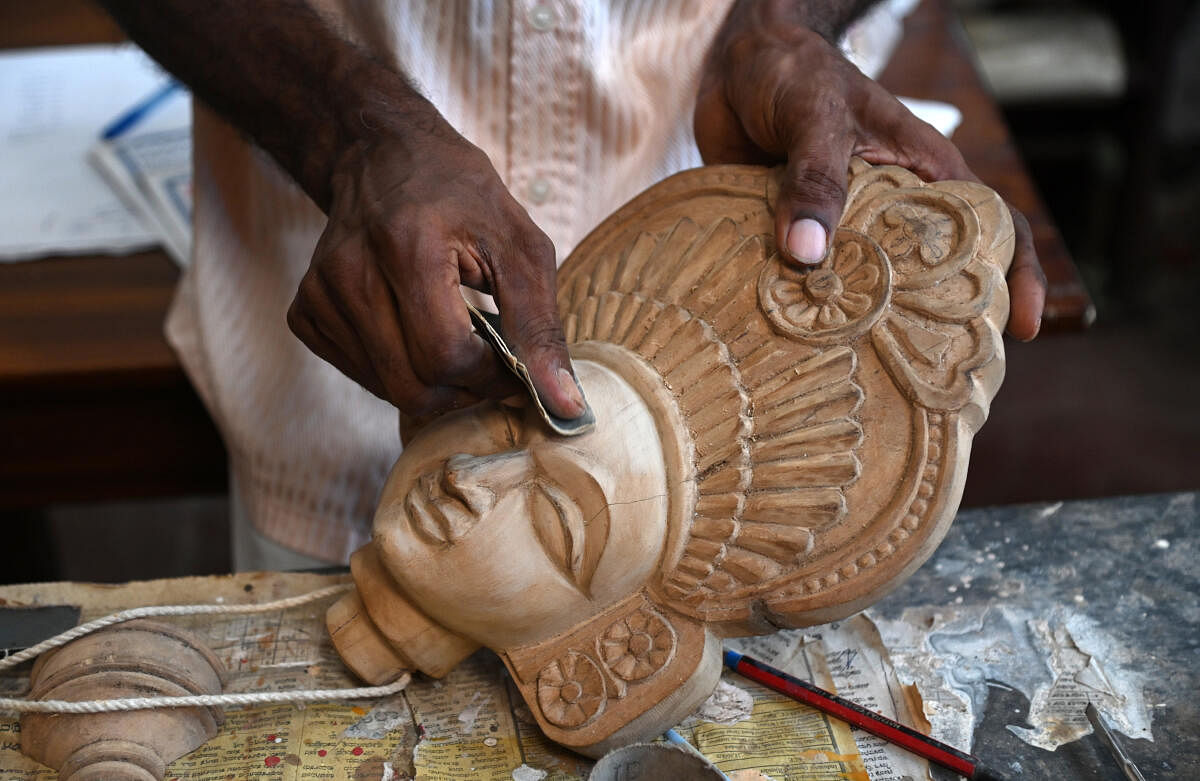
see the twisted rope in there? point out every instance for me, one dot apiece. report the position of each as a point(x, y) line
point(167, 610)
point(16, 705)
point(201, 700)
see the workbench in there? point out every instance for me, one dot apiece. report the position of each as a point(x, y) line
point(1130, 564)
point(1126, 565)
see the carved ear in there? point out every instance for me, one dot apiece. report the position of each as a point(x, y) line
point(949, 302)
point(860, 380)
point(927, 233)
point(998, 237)
point(912, 265)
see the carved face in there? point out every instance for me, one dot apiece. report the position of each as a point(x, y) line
point(509, 534)
point(814, 429)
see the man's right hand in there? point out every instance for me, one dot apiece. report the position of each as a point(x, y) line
point(414, 209)
point(413, 215)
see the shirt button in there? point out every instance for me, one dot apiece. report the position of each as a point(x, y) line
point(539, 190)
point(542, 17)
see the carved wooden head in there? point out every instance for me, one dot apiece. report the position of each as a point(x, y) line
point(775, 447)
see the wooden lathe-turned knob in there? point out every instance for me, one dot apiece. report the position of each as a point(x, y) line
point(134, 659)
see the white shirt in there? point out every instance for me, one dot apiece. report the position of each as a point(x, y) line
point(579, 105)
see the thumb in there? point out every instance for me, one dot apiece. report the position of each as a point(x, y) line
point(525, 296)
point(813, 195)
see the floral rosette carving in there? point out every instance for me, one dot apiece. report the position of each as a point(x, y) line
point(924, 307)
point(915, 232)
point(928, 234)
point(833, 302)
point(638, 646)
point(570, 690)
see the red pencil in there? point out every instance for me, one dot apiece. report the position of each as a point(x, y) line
point(852, 713)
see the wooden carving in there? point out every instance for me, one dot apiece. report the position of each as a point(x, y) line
point(775, 447)
point(135, 659)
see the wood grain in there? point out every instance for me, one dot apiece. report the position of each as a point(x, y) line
point(55, 23)
point(148, 658)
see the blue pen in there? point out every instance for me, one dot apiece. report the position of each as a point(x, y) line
point(139, 112)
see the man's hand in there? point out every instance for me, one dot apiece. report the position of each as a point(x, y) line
point(412, 216)
point(776, 88)
point(414, 209)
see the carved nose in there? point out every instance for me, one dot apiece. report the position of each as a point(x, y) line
point(477, 481)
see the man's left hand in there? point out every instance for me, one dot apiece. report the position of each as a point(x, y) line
point(774, 90)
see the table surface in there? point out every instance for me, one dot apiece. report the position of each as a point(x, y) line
point(1125, 564)
point(81, 342)
point(1128, 564)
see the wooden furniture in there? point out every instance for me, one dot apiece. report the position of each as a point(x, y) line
point(774, 447)
point(93, 404)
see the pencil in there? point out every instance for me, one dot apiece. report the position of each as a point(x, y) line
point(852, 713)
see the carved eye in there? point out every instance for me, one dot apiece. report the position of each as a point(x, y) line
point(570, 515)
point(559, 524)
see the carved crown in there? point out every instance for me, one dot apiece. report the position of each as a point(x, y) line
point(814, 425)
point(830, 409)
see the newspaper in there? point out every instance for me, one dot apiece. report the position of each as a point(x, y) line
point(471, 724)
point(1057, 657)
point(849, 658)
point(54, 102)
point(150, 168)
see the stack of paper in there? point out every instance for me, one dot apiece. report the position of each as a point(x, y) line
point(55, 105)
point(146, 155)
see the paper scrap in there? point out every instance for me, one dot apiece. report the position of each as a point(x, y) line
point(953, 655)
point(857, 668)
point(387, 716)
point(862, 672)
point(527, 773)
point(471, 712)
point(1087, 666)
point(726, 705)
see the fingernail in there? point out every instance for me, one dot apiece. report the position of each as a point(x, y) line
point(806, 240)
point(570, 390)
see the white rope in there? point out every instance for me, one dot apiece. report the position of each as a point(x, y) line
point(11, 705)
point(201, 700)
point(167, 610)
